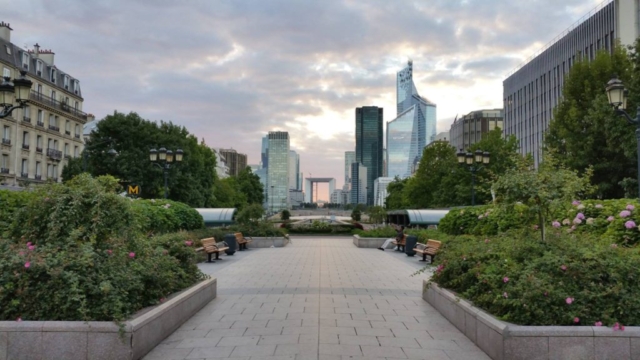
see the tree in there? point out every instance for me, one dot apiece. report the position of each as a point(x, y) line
point(285, 215)
point(356, 214)
point(250, 214)
point(377, 214)
point(191, 181)
point(228, 194)
point(249, 184)
point(586, 132)
point(543, 191)
point(424, 189)
point(395, 199)
point(71, 169)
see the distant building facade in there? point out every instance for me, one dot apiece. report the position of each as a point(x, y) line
point(222, 170)
point(235, 161)
point(278, 171)
point(443, 136)
point(295, 182)
point(469, 129)
point(532, 92)
point(380, 190)
point(359, 179)
point(369, 143)
point(349, 158)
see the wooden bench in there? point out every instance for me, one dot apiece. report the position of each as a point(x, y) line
point(242, 241)
point(209, 246)
point(401, 243)
point(431, 248)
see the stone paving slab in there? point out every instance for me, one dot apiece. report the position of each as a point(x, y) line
point(320, 298)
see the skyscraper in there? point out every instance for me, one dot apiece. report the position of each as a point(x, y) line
point(264, 155)
point(349, 158)
point(278, 171)
point(359, 179)
point(413, 128)
point(235, 161)
point(369, 143)
point(294, 171)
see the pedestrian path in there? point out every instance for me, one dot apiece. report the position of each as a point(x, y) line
point(317, 299)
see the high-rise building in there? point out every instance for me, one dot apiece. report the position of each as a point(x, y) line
point(295, 182)
point(413, 128)
point(278, 171)
point(359, 179)
point(39, 139)
point(369, 143)
point(235, 161)
point(349, 158)
point(264, 154)
point(443, 136)
point(532, 92)
point(469, 129)
point(222, 170)
point(380, 190)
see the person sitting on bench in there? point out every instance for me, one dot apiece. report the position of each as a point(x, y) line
point(398, 238)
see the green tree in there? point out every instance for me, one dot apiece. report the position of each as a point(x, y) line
point(285, 215)
point(250, 214)
point(377, 214)
point(395, 199)
point(228, 194)
point(71, 169)
point(544, 190)
point(424, 189)
point(586, 132)
point(356, 214)
point(249, 184)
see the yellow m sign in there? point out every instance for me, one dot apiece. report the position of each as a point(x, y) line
point(133, 190)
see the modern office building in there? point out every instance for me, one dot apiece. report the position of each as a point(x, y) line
point(295, 182)
point(264, 154)
point(222, 170)
point(369, 143)
point(443, 136)
point(359, 181)
point(235, 161)
point(38, 140)
point(532, 92)
point(278, 171)
point(380, 190)
point(413, 128)
point(349, 158)
point(296, 198)
point(469, 129)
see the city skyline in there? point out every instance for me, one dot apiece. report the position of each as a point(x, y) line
point(290, 66)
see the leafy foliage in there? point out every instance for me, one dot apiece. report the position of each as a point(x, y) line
point(250, 214)
point(376, 214)
point(285, 215)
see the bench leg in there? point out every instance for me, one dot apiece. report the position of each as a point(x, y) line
point(218, 255)
point(424, 257)
point(209, 258)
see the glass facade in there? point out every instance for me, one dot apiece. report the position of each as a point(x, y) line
point(278, 171)
point(349, 158)
point(295, 183)
point(359, 180)
point(369, 143)
point(416, 115)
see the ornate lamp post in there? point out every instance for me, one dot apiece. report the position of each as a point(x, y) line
point(14, 92)
point(163, 159)
point(474, 162)
point(618, 99)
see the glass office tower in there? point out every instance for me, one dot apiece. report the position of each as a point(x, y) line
point(349, 158)
point(369, 144)
point(295, 182)
point(278, 171)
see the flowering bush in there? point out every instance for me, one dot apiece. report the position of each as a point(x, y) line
point(164, 216)
point(74, 252)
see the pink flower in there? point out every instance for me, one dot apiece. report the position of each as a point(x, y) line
point(630, 224)
point(580, 216)
point(625, 213)
point(610, 218)
point(31, 247)
point(486, 241)
point(109, 251)
point(569, 300)
point(576, 319)
point(29, 243)
point(21, 253)
point(19, 319)
point(573, 227)
point(575, 203)
point(505, 295)
point(577, 221)
point(505, 279)
point(563, 267)
point(598, 323)
point(165, 252)
point(618, 326)
point(555, 224)
point(630, 207)
point(188, 242)
point(27, 265)
point(132, 255)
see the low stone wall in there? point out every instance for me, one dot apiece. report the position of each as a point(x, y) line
point(267, 242)
point(102, 340)
point(368, 242)
point(505, 341)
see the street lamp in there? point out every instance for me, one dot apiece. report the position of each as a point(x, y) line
point(85, 154)
point(163, 159)
point(474, 162)
point(618, 99)
point(14, 92)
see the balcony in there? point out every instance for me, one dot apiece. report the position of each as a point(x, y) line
point(26, 119)
point(40, 123)
point(4, 171)
point(46, 100)
point(77, 136)
point(54, 154)
point(38, 177)
point(66, 156)
point(25, 146)
point(39, 150)
point(67, 132)
point(55, 179)
point(6, 141)
point(24, 175)
point(54, 128)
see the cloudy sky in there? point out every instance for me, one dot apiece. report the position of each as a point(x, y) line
point(232, 70)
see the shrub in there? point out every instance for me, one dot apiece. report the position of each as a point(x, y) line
point(356, 214)
point(250, 213)
point(381, 232)
point(164, 216)
point(75, 253)
point(285, 215)
point(10, 201)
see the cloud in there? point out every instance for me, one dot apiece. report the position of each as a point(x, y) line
point(230, 71)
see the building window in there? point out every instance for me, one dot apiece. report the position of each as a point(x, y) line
point(53, 95)
point(39, 66)
point(77, 130)
point(66, 82)
point(67, 127)
point(40, 118)
point(66, 149)
point(8, 48)
point(25, 167)
point(39, 89)
point(5, 161)
point(49, 171)
point(6, 133)
point(25, 138)
point(54, 74)
point(38, 170)
point(52, 120)
point(25, 60)
point(76, 87)
point(39, 141)
point(6, 72)
point(50, 144)
point(55, 171)
point(76, 151)
point(77, 106)
point(26, 113)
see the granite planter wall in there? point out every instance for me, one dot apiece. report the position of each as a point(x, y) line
point(267, 242)
point(368, 242)
point(505, 341)
point(102, 340)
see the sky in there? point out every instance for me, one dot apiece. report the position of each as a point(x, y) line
point(232, 70)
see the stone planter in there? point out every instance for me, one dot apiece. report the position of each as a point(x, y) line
point(371, 243)
point(505, 341)
point(101, 340)
point(267, 242)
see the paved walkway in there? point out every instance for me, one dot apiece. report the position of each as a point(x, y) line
point(320, 299)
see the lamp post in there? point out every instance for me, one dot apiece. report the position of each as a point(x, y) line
point(474, 162)
point(85, 155)
point(14, 92)
point(163, 159)
point(618, 99)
